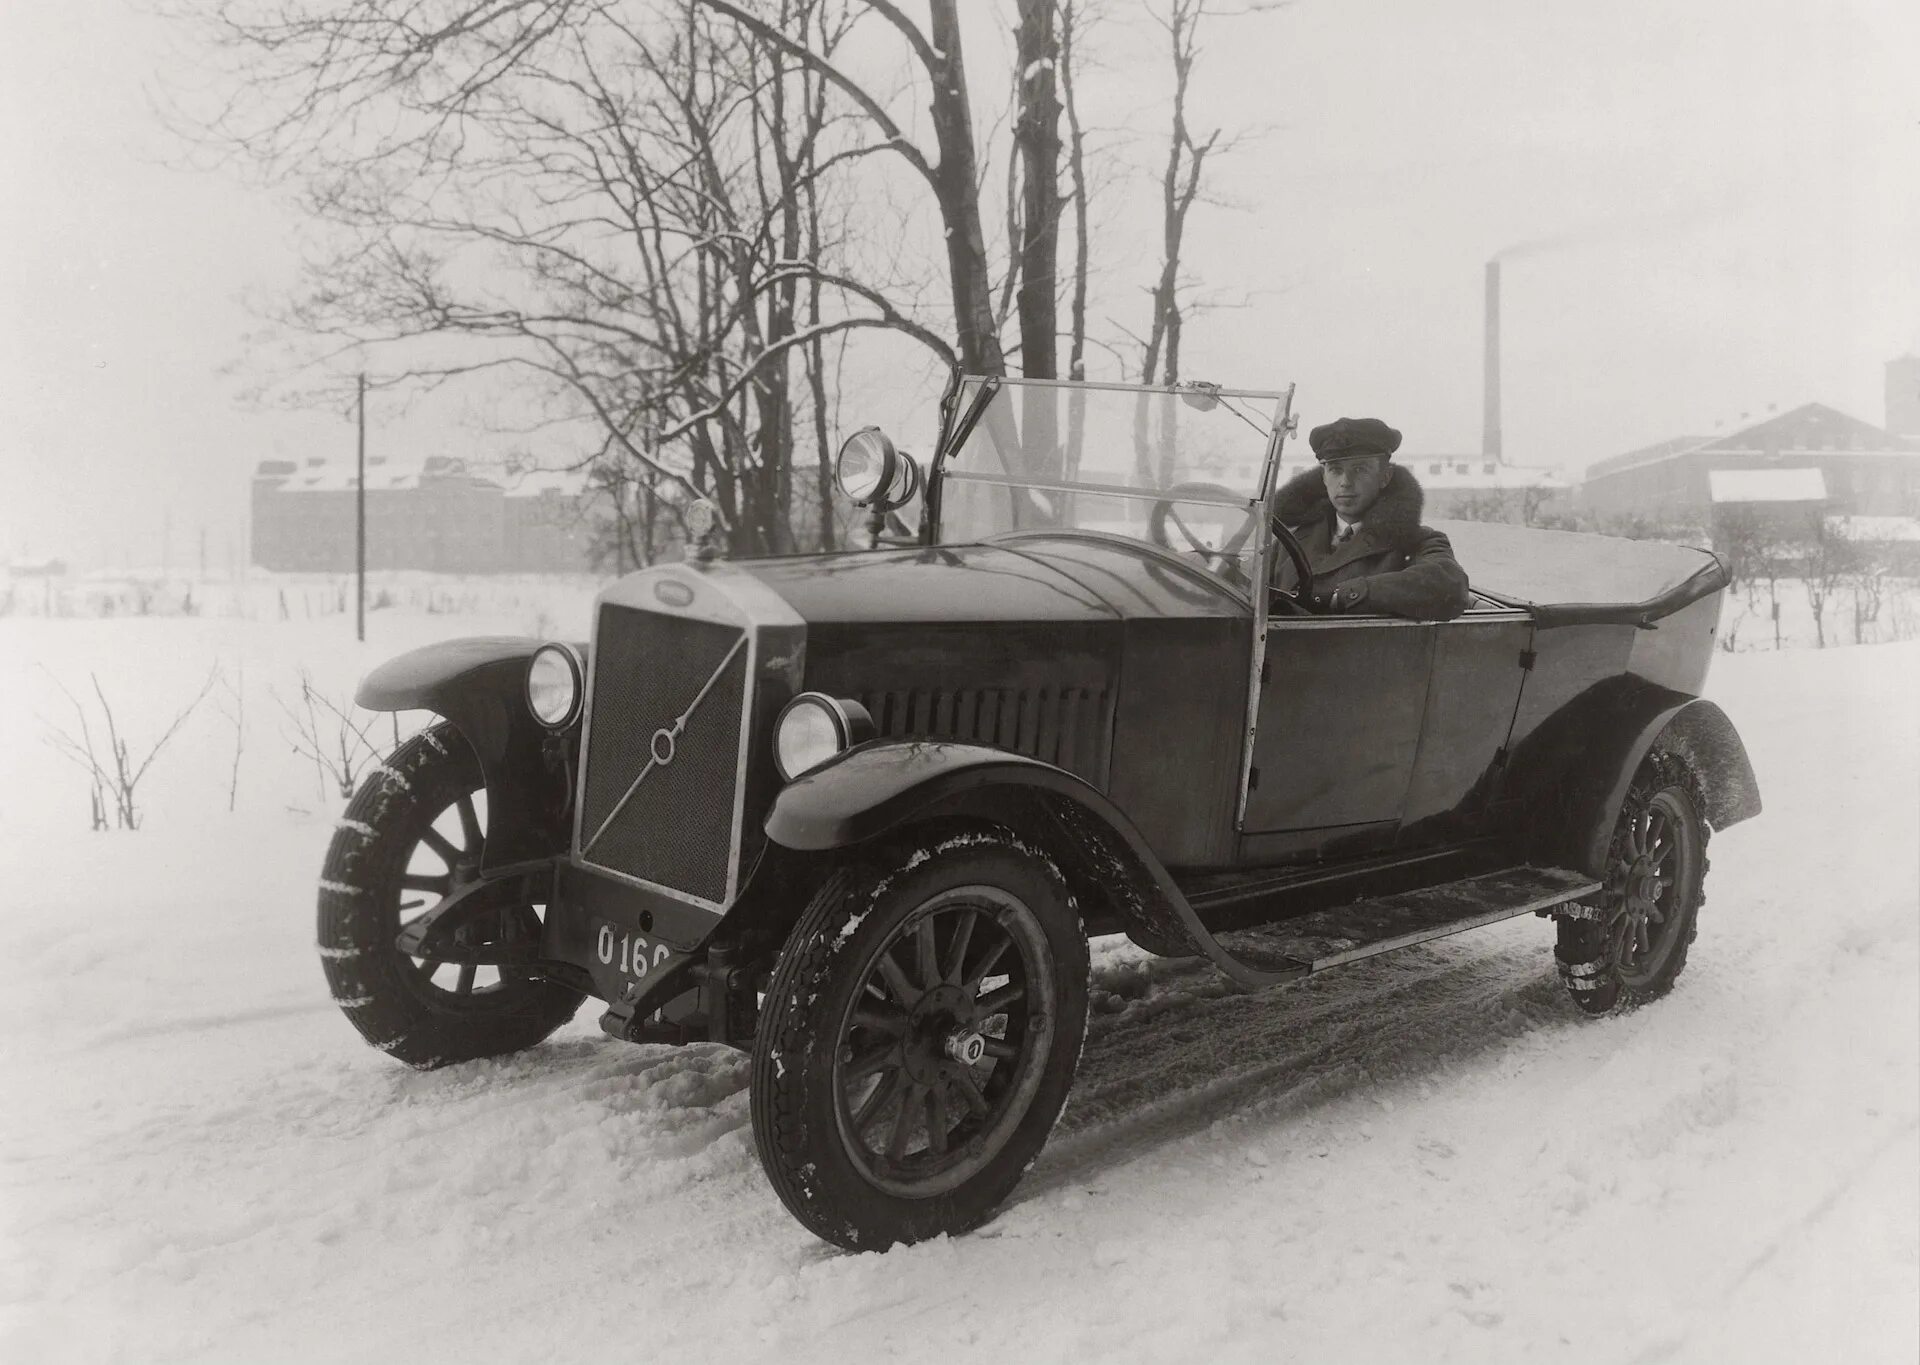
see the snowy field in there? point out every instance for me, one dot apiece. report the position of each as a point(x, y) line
point(1424, 1157)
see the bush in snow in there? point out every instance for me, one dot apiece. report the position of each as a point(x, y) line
point(116, 776)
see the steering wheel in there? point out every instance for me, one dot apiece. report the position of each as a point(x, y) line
point(1299, 602)
point(1164, 520)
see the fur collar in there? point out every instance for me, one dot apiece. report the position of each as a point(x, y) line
point(1393, 518)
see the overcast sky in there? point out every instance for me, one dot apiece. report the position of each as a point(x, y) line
point(1723, 198)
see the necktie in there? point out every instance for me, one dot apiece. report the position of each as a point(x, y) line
point(1346, 533)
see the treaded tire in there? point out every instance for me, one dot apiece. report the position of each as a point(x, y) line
point(802, 1101)
point(381, 991)
point(1590, 949)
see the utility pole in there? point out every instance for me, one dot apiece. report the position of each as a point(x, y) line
point(360, 523)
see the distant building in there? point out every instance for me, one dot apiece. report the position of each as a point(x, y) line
point(1486, 488)
point(1863, 470)
point(1476, 487)
point(436, 515)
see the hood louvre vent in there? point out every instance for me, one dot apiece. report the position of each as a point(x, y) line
point(1065, 726)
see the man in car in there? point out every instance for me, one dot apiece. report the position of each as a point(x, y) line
point(1358, 518)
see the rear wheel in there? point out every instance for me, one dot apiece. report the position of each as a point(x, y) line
point(919, 1037)
point(1630, 948)
point(413, 834)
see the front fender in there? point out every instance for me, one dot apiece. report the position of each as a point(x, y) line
point(871, 789)
point(480, 685)
point(419, 679)
point(888, 784)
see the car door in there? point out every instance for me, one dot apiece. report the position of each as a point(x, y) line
point(1337, 729)
point(1479, 662)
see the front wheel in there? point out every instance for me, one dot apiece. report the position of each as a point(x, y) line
point(1631, 947)
point(919, 1037)
point(413, 834)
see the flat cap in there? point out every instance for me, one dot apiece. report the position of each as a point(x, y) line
point(1349, 436)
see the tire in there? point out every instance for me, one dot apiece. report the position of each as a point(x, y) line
point(857, 1055)
point(1632, 946)
point(415, 820)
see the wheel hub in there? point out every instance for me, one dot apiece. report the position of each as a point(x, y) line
point(942, 1029)
point(966, 1046)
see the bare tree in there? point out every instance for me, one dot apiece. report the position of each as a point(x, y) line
point(1758, 551)
point(953, 179)
point(118, 774)
point(1037, 142)
point(1827, 560)
point(1179, 186)
point(321, 729)
point(1075, 17)
point(1866, 581)
point(234, 707)
point(610, 201)
point(1519, 506)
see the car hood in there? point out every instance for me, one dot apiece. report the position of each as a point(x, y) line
point(1037, 578)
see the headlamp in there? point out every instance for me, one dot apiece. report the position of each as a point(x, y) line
point(814, 728)
point(556, 684)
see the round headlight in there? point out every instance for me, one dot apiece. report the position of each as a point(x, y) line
point(866, 465)
point(555, 683)
point(813, 728)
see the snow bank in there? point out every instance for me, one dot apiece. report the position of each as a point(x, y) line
point(1427, 1156)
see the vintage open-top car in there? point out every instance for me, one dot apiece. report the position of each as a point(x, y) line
point(859, 812)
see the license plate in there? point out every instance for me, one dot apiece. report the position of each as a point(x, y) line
point(617, 948)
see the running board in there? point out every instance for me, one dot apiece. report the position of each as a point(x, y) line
point(1347, 933)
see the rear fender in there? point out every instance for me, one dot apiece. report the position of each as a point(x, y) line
point(888, 785)
point(1573, 773)
point(479, 684)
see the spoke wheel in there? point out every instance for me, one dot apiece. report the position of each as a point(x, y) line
point(942, 1047)
point(1631, 947)
point(919, 1037)
point(413, 835)
point(1651, 871)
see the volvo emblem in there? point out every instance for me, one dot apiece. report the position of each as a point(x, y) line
point(662, 746)
point(673, 592)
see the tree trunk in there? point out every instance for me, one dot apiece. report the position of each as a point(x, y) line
point(1037, 136)
point(954, 184)
point(1077, 177)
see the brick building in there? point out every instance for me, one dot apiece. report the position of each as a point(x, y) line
point(435, 515)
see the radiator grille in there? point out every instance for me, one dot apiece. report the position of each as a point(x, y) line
point(676, 828)
point(1066, 726)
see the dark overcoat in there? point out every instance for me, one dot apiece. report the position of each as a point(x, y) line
point(1392, 564)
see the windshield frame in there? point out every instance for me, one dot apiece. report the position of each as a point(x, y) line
point(963, 408)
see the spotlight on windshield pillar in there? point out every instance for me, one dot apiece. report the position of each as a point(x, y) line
point(873, 474)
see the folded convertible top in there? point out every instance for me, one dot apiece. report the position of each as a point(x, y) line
point(1575, 578)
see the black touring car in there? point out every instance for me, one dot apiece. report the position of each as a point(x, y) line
point(859, 812)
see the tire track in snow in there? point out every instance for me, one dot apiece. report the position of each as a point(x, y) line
point(1185, 1057)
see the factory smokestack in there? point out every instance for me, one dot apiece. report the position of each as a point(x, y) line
point(1490, 418)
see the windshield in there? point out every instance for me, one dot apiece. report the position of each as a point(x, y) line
point(1182, 469)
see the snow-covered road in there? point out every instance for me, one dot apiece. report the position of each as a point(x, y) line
point(1424, 1157)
